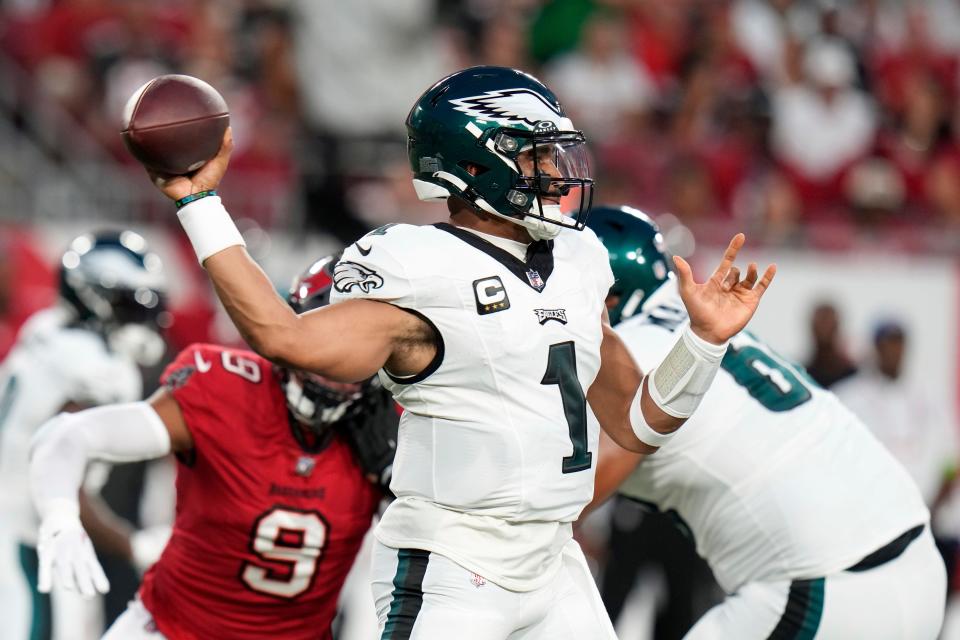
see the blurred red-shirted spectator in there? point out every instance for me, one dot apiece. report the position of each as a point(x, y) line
point(822, 125)
point(27, 283)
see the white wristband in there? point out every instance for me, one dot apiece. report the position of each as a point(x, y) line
point(644, 432)
point(209, 227)
point(679, 382)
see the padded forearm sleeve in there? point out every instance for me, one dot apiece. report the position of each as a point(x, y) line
point(61, 449)
point(683, 377)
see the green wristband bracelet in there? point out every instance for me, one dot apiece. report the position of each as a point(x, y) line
point(182, 202)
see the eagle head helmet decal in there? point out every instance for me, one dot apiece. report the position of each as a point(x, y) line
point(514, 108)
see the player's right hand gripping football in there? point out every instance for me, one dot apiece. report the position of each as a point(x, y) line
point(205, 178)
point(723, 305)
point(66, 554)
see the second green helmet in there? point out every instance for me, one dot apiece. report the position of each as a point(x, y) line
point(638, 256)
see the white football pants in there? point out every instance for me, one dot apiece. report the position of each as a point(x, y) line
point(425, 596)
point(901, 599)
point(136, 623)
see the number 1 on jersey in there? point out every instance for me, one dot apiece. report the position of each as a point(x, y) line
point(562, 371)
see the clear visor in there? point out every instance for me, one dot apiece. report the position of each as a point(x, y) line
point(555, 175)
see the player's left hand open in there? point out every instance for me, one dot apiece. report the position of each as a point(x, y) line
point(66, 556)
point(205, 178)
point(723, 305)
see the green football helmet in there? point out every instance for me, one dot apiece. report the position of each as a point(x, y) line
point(476, 135)
point(638, 256)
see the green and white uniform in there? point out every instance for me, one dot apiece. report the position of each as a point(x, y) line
point(53, 364)
point(780, 487)
point(496, 457)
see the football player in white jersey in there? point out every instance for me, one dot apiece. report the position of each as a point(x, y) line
point(810, 526)
point(82, 352)
point(489, 330)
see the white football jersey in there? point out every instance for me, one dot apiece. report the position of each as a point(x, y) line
point(51, 365)
point(772, 476)
point(496, 456)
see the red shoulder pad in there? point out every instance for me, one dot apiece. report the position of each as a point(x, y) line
point(206, 364)
point(218, 388)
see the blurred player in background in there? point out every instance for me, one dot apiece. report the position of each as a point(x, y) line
point(280, 473)
point(914, 427)
point(808, 523)
point(913, 424)
point(83, 352)
point(489, 331)
point(829, 363)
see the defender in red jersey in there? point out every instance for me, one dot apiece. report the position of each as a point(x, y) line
point(279, 475)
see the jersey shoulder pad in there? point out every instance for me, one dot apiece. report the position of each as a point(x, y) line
point(222, 390)
point(381, 265)
point(43, 323)
point(216, 368)
point(89, 372)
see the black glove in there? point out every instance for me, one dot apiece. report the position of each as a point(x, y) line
point(373, 439)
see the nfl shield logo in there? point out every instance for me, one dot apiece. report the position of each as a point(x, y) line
point(533, 277)
point(305, 466)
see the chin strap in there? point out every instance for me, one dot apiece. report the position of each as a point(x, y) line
point(538, 228)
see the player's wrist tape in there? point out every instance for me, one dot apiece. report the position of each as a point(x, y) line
point(644, 432)
point(193, 197)
point(209, 227)
point(680, 381)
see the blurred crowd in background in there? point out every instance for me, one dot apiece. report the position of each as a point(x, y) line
point(823, 125)
point(772, 113)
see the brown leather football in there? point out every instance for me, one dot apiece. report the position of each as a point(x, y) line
point(174, 123)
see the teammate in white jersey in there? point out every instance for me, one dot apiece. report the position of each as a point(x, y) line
point(82, 352)
point(810, 526)
point(489, 330)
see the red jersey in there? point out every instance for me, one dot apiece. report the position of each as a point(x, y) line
point(265, 531)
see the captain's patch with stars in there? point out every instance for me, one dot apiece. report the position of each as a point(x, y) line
point(490, 294)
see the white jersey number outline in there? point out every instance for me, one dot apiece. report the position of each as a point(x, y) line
point(772, 381)
point(290, 538)
point(243, 367)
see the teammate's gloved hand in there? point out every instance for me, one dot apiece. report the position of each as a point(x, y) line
point(66, 554)
point(146, 545)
